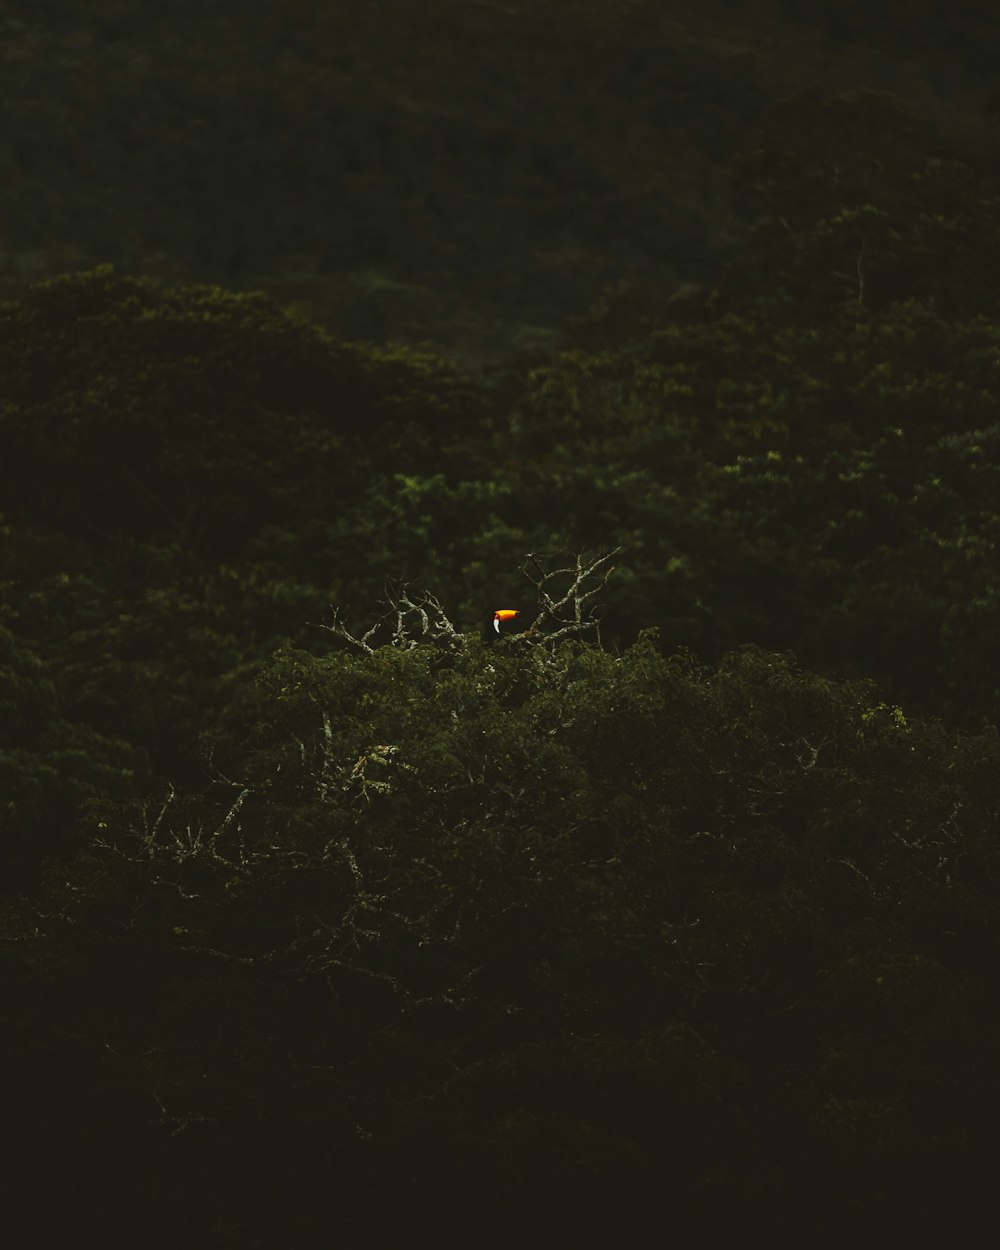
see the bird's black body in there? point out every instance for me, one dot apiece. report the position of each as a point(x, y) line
point(504, 622)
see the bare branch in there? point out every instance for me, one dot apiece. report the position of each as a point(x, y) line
point(565, 608)
point(410, 622)
point(340, 630)
point(569, 611)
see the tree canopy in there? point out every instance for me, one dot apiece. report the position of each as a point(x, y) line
point(322, 917)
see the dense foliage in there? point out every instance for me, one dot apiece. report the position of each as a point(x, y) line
point(305, 939)
point(525, 933)
point(465, 172)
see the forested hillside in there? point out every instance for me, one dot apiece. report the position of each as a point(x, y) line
point(463, 172)
point(331, 915)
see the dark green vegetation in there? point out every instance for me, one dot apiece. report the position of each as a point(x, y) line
point(307, 944)
point(467, 172)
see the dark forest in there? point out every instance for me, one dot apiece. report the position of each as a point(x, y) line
point(336, 909)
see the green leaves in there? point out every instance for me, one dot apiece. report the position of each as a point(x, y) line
point(857, 202)
point(557, 883)
point(195, 416)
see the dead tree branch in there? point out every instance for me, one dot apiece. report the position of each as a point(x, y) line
point(565, 595)
point(409, 621)
point(565, 598)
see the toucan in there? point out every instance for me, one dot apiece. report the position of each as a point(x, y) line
point(503, 622)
